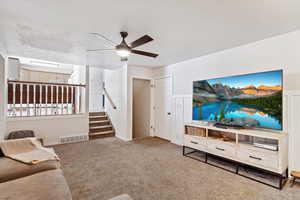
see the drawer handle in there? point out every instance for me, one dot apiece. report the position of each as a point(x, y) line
point(256, 158)
point(194, 142)
point(220, 149)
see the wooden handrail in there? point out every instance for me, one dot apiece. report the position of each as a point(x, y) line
point(109, 98)
point(46, 83)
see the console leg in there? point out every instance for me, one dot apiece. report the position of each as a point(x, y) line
point(293, 181)
point(280, 183)
point(183, 150)
point(237, 169)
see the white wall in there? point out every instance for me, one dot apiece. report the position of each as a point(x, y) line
point(2, 97)
point(95, 89)
point(116, 86)
point(280, 52)
point(79, 75)
point(14, 69)
point(51, 128)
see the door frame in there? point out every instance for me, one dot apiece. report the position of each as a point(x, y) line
point(130, 105)
point(151, 105)
point(154, 105)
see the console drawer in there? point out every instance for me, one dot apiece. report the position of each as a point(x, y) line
point(263, 159)
point(195, 142)
point(220, 147)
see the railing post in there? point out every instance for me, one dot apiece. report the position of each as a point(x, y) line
point(62, 100)
point(14, 99)
point(52, 96)
point(71, 99)
point(34, 99)
point(67, 102)
point(21, 99)
point(41, 92)
point(56, 110)
point(27, 97)
point(46, 99)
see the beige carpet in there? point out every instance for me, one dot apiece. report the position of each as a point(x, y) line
point(152, 169)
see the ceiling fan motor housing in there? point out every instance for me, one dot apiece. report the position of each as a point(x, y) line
point(124, 34)
point(124, 50)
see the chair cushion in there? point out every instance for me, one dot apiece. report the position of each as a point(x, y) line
point(11, 169)
point(20, 134)
point(47, 185)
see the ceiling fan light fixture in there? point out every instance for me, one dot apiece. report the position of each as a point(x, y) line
point(123, 53)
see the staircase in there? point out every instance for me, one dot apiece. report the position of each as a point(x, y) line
point(100, 126)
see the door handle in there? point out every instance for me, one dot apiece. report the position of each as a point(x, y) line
point(220, 149)
point(194, 142)
point(169, 113)
point(256, 158)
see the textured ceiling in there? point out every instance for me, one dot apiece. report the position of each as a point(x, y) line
point(58, 30)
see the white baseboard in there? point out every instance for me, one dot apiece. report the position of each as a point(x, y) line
point(123, 138)
point(177, 142)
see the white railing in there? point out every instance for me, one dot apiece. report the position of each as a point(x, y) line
point(109, 98)
point(27, 99)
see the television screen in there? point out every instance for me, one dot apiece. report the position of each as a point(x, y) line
point(251, 100)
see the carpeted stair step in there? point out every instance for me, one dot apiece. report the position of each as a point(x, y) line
point(103, 134)
point(101, 128)
point(98, 118)
point(99, 123)
point(96, 113)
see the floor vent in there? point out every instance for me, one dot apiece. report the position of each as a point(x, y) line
point(75, 138)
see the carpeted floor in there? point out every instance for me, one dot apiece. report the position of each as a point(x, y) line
point(153, 169)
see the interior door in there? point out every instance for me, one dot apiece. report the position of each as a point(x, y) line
point(163, 106)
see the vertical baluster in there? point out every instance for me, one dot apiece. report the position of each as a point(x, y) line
point(27, 96)
point(80, 100)
point(40, 100)
point(67, 87)
point(76, 100)
point(14, 98)
point(71, 99)
point(21, 99)
point(34, 100)
point(46, 99)
point(52, 96)
point(56, 100)
point(62, 100)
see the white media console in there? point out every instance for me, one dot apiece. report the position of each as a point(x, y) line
point(260, 149)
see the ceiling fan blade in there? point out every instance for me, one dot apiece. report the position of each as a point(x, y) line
point(144, 53)
point(143, 40)
point(92, 50)
point(105, 38)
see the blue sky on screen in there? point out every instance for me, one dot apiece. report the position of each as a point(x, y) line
point(271, 78)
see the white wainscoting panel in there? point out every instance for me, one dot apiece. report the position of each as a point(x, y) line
point(294, 130)
point(182, 114)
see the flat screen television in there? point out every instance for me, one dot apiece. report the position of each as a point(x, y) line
point(250, 100)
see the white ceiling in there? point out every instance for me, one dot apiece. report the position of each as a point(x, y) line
point(57, 30)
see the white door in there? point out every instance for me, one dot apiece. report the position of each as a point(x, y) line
point(162, 106)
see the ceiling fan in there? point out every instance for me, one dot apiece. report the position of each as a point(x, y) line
point(123, 49)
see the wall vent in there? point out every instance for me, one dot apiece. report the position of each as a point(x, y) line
point(74, 138)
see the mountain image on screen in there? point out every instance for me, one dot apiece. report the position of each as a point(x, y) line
point(251, 100)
